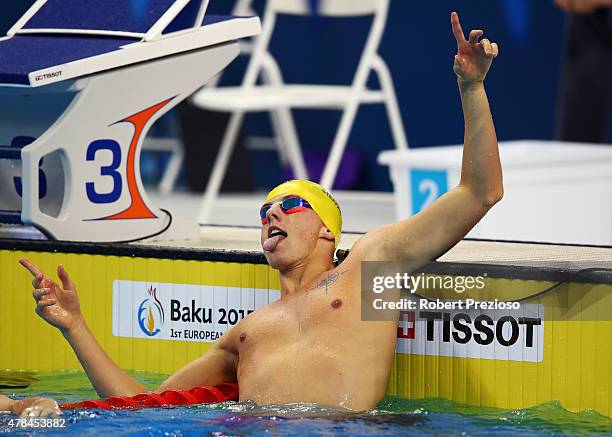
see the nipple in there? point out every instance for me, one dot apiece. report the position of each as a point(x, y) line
point(336, 304)
point(242, 337)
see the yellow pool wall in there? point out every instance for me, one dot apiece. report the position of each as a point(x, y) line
point(576, 369)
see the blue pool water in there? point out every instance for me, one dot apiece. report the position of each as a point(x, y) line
point(394, 416)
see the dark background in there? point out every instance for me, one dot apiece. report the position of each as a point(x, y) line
point(418, 46)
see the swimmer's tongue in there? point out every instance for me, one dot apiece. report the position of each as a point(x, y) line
point(271, 243)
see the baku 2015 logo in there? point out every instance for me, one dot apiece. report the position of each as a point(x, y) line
point(151, 314)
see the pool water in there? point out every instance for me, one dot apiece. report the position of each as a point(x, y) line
point(394, 416)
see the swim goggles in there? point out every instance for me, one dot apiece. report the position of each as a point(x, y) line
point(289, 205)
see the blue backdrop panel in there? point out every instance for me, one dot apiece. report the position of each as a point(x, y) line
point(212, 19)
point(187, 18)
point(418, 46)
point(118, 15)
point(21, 55)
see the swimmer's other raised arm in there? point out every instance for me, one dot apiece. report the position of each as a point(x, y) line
point(59, 306)
point(436, 229)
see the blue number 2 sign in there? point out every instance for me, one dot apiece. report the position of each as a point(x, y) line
point(426, 186)
point(108, 170)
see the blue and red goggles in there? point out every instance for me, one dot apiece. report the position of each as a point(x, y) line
point(289, 205)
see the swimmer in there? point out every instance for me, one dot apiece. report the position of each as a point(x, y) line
point(312, 345)
point(30, 407)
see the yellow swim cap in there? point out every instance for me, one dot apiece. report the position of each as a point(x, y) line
point(319, 199)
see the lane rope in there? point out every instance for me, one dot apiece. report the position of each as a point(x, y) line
point(169, 398)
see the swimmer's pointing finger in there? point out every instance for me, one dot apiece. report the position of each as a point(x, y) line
point(32, 268)
point(457, 30)
point(40, 280)
point(39, 276)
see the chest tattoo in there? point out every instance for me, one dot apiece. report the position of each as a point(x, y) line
point(328, 281)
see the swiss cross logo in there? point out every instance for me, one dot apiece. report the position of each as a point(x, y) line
point(406, 325)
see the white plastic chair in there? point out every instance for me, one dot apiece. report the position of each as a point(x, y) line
point(174, 145)
point(242, 8)
point(279, 98)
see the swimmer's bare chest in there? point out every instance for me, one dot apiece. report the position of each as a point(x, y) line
point(308, 343)
point(306, 316)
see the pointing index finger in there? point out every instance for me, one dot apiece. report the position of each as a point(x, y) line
point(457, 30)
point(33, 269)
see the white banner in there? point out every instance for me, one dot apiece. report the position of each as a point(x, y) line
point(203, 313)
point(509, 334)
point(180, 311)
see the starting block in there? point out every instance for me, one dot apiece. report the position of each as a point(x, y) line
point(82, 81)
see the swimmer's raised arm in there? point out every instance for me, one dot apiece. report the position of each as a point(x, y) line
point(436, 229)
point(59, 306)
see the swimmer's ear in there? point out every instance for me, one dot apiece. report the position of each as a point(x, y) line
point(327, 234)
